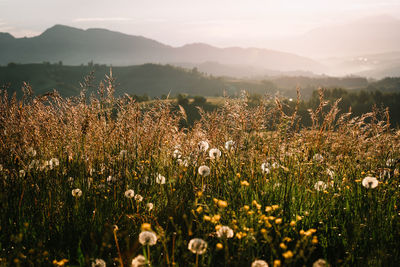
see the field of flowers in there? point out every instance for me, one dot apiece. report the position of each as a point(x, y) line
point(104, 181)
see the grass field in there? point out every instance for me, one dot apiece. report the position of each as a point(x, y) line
point(108, 181)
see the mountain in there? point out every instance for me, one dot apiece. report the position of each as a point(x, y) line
point(370, 35)
point(75, 46)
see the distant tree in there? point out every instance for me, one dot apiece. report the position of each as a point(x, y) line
point(199, 100)
point(182, 100)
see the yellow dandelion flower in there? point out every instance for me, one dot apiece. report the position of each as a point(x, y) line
point(219, 246)
point(288, 254)
point(246, 207)
point(244, 183)
point(275, 207)
point(283, 246)
point(278, 221)
point(207, 218)
point(277, 263)
point(292, 223)
point(263, 231)
point(222, 203)
point(268, 208)
point(146, 227)
point(199, 209)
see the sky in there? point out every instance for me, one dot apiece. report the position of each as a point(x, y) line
point(178, 22)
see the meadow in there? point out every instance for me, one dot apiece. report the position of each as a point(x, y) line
point(107, 181)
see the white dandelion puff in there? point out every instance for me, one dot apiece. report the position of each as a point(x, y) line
point(275, 165)
point(21, 173)
point(139, 261)
point(176, 154)
point(330, 173)
point(160, 179)
point(225, 232)
point(197, 246)
point(259, 263)
point(320, 263)
point(183, 163)
point(214, 153)
point(111, 179)
point(265, 167)
point(138, 198)
point(54, 162)
point(203, 146)
point(370, 182)
point(204, 170)
point(98, 263)
point(76, 193)
point(320, 186)
point(147, 238)
point(150, 206)
point(229, 145)
point(129, 193)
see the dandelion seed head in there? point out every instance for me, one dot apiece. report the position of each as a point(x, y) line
point(320, 263)
point(129, 193)
point(204, 170)
point(265, 167)
point(139, 261)
point(229, 145)
point(150, 206)
point(320, 186)
point(147, 238)
point(98, 263)
point(259, 263)
point(197, 246)
point(138, 198)
point(214, 153)
point(176, 154)
point(76, 193)
point(203, 146)
point(160, 179)
point(370, 182)
point(225, 232)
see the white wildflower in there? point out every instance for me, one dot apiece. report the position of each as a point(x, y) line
point(197, 246)
point(147, 238)
point(214, 153)
point(204, 170)
point(111, 179)
point(129, 193)
point(330, 173)
point(370, 182)
point(160, 179)
point(320, 186)
point(225, 232)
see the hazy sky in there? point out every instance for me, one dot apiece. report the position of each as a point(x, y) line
point(177, 22)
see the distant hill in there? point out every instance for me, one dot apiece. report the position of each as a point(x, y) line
point(370, 35)
point(150, 79)
point(75, 46)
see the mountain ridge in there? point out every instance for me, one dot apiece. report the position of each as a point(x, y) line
point(75, 46)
